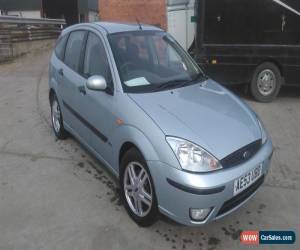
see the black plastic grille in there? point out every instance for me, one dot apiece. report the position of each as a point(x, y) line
point(241, 155)
point(236, 200)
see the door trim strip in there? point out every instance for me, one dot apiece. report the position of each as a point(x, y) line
point(86, 123)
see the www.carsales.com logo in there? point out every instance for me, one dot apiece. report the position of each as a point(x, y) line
point(267, 237)
point(250, 237)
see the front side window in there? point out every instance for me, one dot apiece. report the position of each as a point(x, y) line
point(96, 61)
point(151, 61)
point(73, 50)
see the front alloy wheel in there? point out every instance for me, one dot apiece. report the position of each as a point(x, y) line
point(137, 189)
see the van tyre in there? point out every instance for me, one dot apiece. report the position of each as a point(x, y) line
point(266, 82)
point(137, 189)
point(57, 119)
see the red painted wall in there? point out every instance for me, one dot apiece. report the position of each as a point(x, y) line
point(147, 11)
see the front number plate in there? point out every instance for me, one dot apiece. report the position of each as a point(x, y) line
point(247, 179)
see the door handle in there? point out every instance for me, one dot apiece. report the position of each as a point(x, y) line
point(82, 90)
point(61, 72)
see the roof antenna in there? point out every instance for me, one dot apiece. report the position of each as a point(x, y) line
point(140, 26)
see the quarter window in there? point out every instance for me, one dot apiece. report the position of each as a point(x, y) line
point(73, 50)
point(60, 47)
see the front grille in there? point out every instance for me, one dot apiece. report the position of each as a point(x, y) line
point(236, 200)
point(241, 155)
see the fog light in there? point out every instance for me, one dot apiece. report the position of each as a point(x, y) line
point(198, 214)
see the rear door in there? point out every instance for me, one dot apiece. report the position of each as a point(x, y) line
point(228, 27)
point(71, 80)
point(290, 27)
point(239, 35)
point(57, 64)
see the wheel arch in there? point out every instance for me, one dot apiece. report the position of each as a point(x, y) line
point(275, 62)
point(51, 94)
point(126, 147)
point(126, 137)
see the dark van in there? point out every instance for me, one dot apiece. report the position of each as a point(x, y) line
point(250, 41)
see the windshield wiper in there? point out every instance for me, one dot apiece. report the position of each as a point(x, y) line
point(198, 78)
point(170, 84)
point(180, 82)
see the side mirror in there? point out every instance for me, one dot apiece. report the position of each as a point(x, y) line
point(96, 83)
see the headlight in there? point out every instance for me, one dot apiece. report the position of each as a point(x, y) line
point(192, 157)
point(264, 136)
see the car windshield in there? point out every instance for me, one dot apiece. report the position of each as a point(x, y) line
point(152, 61)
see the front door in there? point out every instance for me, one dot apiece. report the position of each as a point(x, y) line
point(97, 108)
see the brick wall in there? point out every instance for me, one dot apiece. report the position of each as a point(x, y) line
point(147, 11)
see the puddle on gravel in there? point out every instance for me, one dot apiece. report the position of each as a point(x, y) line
point(113, 191)
point(190, 238)
point(232, 232)
point(180, 237)
point(176, 237)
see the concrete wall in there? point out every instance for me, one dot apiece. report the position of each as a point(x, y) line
point(10, 51)
point(5, 52)
point(22, 48)
point(146, 11)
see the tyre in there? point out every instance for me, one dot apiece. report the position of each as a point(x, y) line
point(57, 119)
point(266, 82)
point(137, 189)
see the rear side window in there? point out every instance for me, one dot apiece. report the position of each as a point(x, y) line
point(73, 50)
point(60, 47)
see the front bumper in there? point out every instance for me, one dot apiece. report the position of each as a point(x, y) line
point(177, 191)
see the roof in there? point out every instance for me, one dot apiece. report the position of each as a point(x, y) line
point(111, 27)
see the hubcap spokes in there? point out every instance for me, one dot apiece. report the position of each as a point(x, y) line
point(56, 116)
point(137, 188)
point(266, 82)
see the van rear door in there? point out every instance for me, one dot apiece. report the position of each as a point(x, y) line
point(290, 27)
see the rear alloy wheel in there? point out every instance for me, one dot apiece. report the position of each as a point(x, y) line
point(57, 120)
point(137, 189)
point(266, 82)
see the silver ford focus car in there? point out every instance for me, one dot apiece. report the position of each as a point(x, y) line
point(179, 143)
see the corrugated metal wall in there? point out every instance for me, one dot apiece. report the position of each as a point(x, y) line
point(86, 5)
point(83, 5)
point(93, 5)
point(20, 4)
